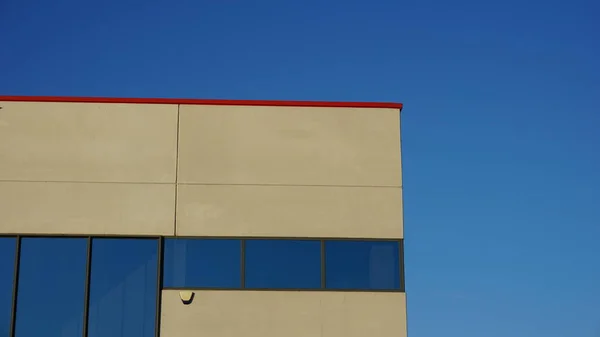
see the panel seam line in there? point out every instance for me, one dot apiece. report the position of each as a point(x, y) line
point(176, 170)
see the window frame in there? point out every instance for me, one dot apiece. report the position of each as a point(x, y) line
point(88, 259)
point(322, 240)
point(160, 261)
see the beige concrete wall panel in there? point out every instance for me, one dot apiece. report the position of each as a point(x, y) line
point(302, 211)
point(289, 145)
point(86, 208)
point(281, 313)
point(88, 142)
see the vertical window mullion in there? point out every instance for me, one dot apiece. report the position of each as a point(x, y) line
point(159, 285)
point(15, 291)
point(86, 297)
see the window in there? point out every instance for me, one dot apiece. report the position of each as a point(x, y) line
point(365, 265)
point(123, 288)
point(122, 277)
point(51, 289)
point(202, 263)
point(283, 264)
point(7, 266)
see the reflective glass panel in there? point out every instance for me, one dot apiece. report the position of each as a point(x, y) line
point(52, 275)
point(7, 267)
point(202, 263)
point(283, 264)
point(362, 265)
point(123, 288)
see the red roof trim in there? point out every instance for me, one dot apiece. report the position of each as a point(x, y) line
point(200, 102)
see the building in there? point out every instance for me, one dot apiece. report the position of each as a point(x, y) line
point(181, 218)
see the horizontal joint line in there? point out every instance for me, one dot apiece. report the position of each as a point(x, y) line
point(190, 184)
point(288, 185)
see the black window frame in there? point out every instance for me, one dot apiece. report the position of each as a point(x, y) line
point(322, 240)
point(89, 239)
point(160, 267)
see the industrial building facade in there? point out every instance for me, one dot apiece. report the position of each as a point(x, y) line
point(181, 218)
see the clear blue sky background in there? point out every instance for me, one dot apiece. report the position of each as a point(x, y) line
point(501, 140)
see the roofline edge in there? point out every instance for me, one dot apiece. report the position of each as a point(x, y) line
point(191, 101)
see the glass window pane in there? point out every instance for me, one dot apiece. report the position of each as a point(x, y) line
point(283, 264)
point(202, 263)
point(368, 265)
point(7, 267)
point(123, 288)
point(51, 293)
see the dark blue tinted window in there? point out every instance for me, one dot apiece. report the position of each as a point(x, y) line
point(281, 264)
point(202, 263)
point(51, 293)
point(123, 288)
point(7, 266)
point(369, 265)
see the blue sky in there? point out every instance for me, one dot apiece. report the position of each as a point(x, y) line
point(500, 136)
